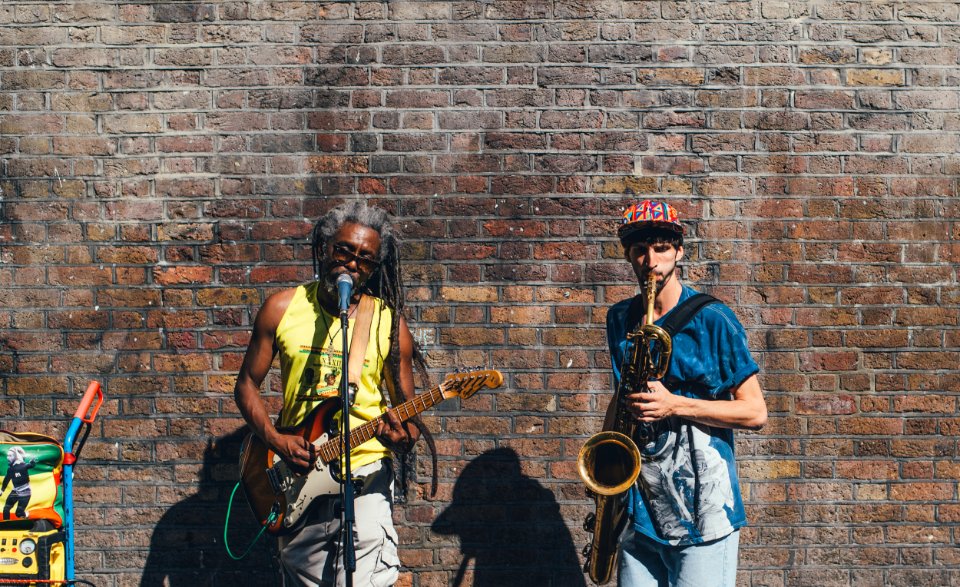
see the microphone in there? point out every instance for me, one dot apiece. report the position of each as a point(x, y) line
point(344, 288)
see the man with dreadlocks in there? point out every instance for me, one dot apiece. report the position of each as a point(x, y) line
point(301, 325)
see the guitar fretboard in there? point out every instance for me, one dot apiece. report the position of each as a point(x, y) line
point(331, 450)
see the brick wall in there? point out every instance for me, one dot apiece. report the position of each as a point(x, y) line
point(162, 163)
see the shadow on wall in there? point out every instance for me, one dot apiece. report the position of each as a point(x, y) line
point(186, 549)
point(510, 526)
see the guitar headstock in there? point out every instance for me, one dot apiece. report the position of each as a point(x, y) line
point(468, 383)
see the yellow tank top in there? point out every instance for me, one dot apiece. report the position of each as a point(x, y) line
point(310, 346)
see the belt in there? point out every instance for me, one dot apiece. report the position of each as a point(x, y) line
point(375, 481)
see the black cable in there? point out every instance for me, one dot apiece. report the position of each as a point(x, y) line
point(83, 440)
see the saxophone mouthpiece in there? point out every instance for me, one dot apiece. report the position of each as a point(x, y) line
point(651, 276)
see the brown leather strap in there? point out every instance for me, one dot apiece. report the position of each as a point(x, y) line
point(360, 338)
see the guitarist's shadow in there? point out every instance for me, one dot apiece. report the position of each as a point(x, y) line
point(186, 549)
point(510, 526)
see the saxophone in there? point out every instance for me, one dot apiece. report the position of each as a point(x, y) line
point(609, 462)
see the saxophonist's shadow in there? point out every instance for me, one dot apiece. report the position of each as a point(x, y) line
point(187, 549)
point(510, 526)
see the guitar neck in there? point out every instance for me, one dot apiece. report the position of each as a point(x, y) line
point(331, 450)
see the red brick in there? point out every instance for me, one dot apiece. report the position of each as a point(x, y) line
point(150, 204)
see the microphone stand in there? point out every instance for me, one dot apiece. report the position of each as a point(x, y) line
point(349, 515)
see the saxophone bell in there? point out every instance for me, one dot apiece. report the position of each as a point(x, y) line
point(609, 463)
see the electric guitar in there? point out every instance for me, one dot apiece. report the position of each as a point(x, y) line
point(280, 494)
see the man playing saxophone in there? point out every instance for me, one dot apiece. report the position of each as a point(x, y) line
point(685, 509)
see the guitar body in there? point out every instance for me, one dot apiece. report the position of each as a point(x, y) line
point(272, 485)
point(279, 495)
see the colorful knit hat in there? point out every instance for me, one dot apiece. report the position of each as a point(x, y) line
point(646, 215)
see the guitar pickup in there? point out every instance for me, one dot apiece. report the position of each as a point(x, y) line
point(274, 479)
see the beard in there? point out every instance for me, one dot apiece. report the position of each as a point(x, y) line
point(661, 283)
point(329, 272)
point(329, 281)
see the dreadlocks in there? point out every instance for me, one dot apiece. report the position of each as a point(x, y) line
point(385, 283)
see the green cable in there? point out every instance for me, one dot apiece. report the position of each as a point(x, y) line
point(270, 519)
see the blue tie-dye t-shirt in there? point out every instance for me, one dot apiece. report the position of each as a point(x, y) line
point(710, 359)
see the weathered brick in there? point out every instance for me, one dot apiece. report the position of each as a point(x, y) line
point(155, 189)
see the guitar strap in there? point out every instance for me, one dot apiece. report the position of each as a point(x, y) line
point(361, 336)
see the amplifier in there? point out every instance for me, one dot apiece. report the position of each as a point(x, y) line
point(32, 554)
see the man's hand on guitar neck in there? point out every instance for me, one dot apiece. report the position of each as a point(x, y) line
point(396, 435)
point(294, 450)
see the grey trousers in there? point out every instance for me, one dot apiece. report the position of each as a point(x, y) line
point(313, 557)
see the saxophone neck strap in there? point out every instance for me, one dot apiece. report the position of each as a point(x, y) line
point(676, 319)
